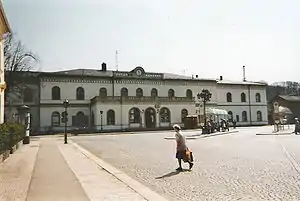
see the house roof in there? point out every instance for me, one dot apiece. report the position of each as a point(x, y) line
point(229, 82)
point(165, 76)
point(85, 72)
point(109, 73)
point(290, 98)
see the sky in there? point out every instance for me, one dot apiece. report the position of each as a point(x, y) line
point(209, 38)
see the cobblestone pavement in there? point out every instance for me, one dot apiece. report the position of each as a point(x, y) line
point(238, 166)
point(16, 171)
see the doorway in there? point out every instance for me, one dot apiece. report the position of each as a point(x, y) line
point(150, 118)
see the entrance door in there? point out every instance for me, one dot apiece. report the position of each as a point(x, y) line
point(150, 118)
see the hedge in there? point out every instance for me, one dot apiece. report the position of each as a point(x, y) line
point(18, 131)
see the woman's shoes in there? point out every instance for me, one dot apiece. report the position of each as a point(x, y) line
point(191, 165)
point(179, 169)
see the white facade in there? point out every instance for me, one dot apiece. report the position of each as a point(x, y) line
point(251, 106)
point(149, 112)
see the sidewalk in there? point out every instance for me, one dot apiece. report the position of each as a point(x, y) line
point(52, 179)
point(48, 170)
point(15, 173)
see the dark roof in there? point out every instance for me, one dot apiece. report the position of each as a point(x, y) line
point(166, 76)
point(108, 73)
point(290, 98)
point(85, 72)
point(241, 83)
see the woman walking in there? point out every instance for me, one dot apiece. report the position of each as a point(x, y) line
point(181, 149)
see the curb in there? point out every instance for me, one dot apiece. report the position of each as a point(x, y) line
point(194, 137)
point(187, 137)
point(217, 134)
point(274, 133)
point(144, 191)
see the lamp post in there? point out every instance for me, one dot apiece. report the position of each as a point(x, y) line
point(65, 117)
point(205, 95)
point(101, 114)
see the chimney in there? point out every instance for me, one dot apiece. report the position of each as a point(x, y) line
point(103, 67)
point(196, 76)
point(244, 74)
point(221, 77)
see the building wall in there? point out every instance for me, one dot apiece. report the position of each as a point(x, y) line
point(179, 87)
point(68, 89)
point(4, 28)
point(122, 114)
point(46, 116)
point(237, 106)
point(91, 87)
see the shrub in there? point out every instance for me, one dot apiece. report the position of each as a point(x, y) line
point(18, 131)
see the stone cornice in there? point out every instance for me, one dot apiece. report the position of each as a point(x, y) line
point(4, 21)
point(76, 80)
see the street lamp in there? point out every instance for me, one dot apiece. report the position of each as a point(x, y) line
point(205, 95)
point(101, 114)
point(65, 117)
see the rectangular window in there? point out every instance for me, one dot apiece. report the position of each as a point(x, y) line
point(237, 118)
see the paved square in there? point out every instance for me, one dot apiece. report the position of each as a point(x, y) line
point(238, 166)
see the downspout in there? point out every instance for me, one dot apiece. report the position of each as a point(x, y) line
point(113, 85)
point(249, 101)
point(90, 118)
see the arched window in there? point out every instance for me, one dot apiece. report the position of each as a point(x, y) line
point(230, 116)
point(229, 97)
point(164, 115)
point(55, 93)
point(103, 92)
point(124, 92)
point(55, 119)
point(80, 119)
point(111, 117)
point(154, 93)
point(171, 93)
point(80, 93)
point(134, 115)
point(189, 94)
point(243, 97)
point(257, 97)
point(244, 116)
point(184, 113)
point(259, 116)
point(27, 95)
point(139, 92)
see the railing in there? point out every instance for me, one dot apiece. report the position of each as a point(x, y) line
point(142, 99)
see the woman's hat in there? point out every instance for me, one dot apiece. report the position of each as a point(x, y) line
point(177, 126)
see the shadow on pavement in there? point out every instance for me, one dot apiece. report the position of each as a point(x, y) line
point(173, 173)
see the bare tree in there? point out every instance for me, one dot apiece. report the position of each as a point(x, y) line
point(18, 61)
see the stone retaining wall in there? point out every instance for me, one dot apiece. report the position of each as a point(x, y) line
point(6, 154)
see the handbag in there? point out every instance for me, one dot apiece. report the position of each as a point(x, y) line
point(188, 156)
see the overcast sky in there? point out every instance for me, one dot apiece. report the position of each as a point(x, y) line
point(209, 38)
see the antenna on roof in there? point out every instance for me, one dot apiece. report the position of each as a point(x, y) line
point(244, 74)
point(184, 71)
point(117, 64)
